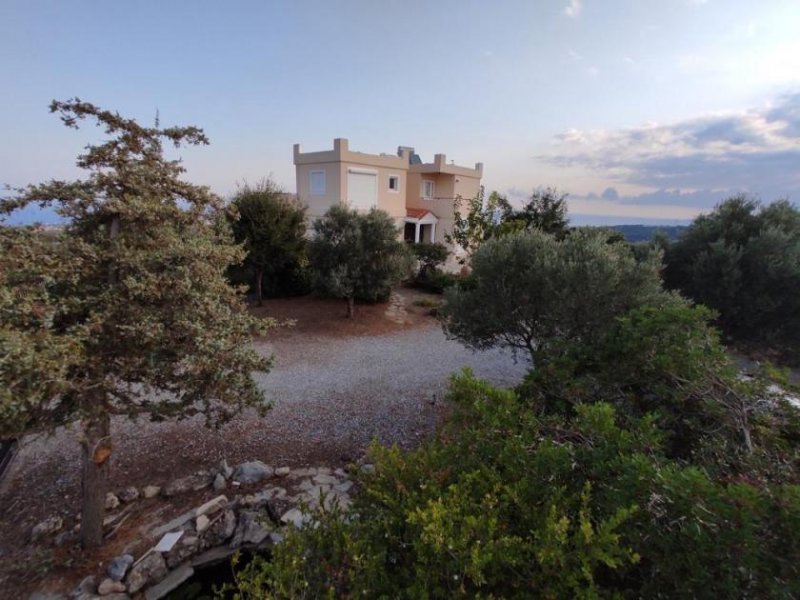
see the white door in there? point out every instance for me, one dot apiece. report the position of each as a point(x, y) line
point(362, 189)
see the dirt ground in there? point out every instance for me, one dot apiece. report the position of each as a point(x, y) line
point(330, 405)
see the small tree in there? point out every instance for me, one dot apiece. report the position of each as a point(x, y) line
point(529, 290)
point(357, 256)
point(127, 312)
point(546, 210)
point(272, 229)
point(481, 221)
point(430, 256)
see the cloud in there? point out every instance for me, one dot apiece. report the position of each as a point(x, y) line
point(573, 9)
point(756, 150)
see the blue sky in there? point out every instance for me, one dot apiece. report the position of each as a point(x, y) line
point(640, 109)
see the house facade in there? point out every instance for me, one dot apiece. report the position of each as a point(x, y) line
point(420, 196)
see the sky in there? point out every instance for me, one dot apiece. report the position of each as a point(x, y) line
point(644, 111)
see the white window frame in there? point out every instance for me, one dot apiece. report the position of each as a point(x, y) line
point(423, 185)
point(397, 189)
point(312, 190)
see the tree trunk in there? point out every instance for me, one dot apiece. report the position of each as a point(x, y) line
point(350, 307)
point(96, 448)
point(259, 279)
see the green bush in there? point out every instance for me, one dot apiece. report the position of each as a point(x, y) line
point(436, 281)
point(509, 504)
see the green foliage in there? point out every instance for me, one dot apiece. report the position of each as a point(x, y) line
point(743, 260)
point(509, 504)
point(436, 281)
point(430, 256)
point(272, 230)
point(358, 256)
point(546, 210)
point(127, 311)
point(479, 222)
point(529, 290)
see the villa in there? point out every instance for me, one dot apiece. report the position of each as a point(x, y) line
point(420, 196)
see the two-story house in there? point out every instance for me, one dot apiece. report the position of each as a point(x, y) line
point(419, 196)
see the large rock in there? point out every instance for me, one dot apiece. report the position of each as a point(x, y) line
point(296, 517)
point(225, 470)
point(118, 567)
point(219, 482)
point(169, 583)
point(151, 569)
point(192, 483)
point(221, 529)
point(47, 527)
point(252, 529)
point(252, 472)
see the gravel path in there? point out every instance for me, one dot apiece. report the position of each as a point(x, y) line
point(331, 396)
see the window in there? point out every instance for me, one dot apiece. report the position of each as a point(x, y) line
point(317, 183)
point(427, 189)
point(394, 183)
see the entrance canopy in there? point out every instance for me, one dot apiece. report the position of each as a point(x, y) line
point(419, 217)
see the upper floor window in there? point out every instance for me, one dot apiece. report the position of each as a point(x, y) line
point(394, 183)
point(427, 189)
point(317, 183)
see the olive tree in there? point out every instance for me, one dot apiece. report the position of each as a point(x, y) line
point(272, 229)
point(357, 255)
point(127, 310)
point(528, 290)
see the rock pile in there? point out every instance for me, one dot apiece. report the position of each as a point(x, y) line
point(212, 532)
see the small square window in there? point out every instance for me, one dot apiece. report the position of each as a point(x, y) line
point(317, 183)
point(427, 189)
point(394, 183)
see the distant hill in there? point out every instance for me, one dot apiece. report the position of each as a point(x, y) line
point(645, 233)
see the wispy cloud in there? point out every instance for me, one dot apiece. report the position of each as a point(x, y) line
point(573, 9)
point(756, 150)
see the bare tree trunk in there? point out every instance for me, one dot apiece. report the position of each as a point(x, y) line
point(350, 307)
point(95, 450)
point(259, 279)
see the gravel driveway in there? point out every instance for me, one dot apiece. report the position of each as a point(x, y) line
point(331, 395)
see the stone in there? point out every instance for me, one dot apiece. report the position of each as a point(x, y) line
point(252, 529)
point(65, 538)
point(282, 471)
point(225, 470)
point(212, 506)
point(112, 501)
point(129, 494)
point(151, 491)
point(187, 546)
point(150, 570)
point(202, 523)
point(221, 529)
point(47, 596)
point(326, 479)
point(252, 472)
point(368, 468)
point(173, 524)
point(212, 557)
point(109, 586)
point(219, 482)
point(306, 472)
point(340, 472)
point(296, 517)
point(86, 587)
point(169, 583)
point(191, 483)
point(343, 487)
point(118, 567)
point(47, 527)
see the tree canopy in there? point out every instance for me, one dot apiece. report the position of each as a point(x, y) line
point(357, 256)
point(743, 260)
point(126, 311)
point(529, 288)
point(272, 229)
